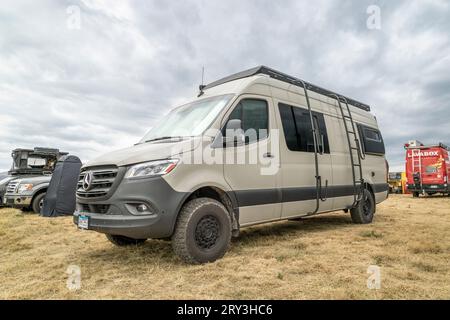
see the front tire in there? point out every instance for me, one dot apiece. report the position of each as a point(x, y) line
point(203, 231)
point(416, 194)
point(38, 202)
point(364, 211)
point(122, 241)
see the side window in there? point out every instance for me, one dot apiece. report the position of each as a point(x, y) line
point(289, 127)
point(372, 135)
point(254, 115)
point(304, 129)
point(298, 130)
point(322, 133)
point(371, 140)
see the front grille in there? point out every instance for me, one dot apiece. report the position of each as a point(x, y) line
point(11, 188)
point(93, 208)
point(102, 181)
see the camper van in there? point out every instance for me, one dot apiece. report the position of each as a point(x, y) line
point(255, 147)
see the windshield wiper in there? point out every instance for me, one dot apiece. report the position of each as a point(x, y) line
point(163, 138)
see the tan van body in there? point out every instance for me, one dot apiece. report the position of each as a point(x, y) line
point(248, 196)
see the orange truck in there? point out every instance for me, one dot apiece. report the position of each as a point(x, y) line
point(427, 169)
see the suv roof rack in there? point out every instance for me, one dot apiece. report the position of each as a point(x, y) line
point(286, 78)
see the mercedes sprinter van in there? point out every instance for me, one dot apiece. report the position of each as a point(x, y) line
point(255, 147)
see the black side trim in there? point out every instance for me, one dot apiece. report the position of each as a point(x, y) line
point(246, 198)
point(380, 187)
point(257, 197)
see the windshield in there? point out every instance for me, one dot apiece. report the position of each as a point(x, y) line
point(188, 120)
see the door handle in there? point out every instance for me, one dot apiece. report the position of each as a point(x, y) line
point(268, 155)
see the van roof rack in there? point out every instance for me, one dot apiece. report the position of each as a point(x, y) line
point(285, 78)
point(439, 145)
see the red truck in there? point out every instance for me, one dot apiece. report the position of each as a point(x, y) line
point(427, 168)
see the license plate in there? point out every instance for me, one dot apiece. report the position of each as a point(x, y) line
point(83, 222)
point(434, 187)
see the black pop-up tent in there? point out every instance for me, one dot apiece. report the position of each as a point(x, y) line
point(60, 197)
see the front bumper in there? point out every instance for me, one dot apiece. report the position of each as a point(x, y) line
point(129, 226)
point(116, 213)
point(17, 201)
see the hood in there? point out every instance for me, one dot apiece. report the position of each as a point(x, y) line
point(5, 180)
point(35, 180)
point(157, 150)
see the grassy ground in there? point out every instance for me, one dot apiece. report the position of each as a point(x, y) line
point(324, 257)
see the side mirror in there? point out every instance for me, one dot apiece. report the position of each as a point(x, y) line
point(234, 125)
point(234, 134)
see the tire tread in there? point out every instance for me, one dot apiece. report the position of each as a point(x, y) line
point(179, 244)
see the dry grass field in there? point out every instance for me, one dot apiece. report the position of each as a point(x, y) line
point(323, 257)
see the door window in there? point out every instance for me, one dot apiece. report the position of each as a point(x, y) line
point(254, 116)
point(298, 130)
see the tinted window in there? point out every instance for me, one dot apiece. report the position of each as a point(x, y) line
point(372, 141)
point(298, 130)
point(289, 128)
point(372, 135)
point(254, 115)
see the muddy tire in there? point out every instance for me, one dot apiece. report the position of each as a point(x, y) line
point(203, 231)
point(38, 202)
point(364, 211)
point(122, 241)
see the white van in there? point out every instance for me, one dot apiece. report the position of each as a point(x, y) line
point(255, 147)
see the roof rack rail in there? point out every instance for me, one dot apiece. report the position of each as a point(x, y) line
point(288, 79)
point(424, 146)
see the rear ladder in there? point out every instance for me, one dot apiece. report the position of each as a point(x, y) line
point(353, 145)
point(318, 177)
point(417, 165)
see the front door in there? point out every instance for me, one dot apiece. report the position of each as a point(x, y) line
point(251, 167)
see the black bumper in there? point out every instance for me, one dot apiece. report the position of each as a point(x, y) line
point(436, 188)
point(130, 226)
point(116, 215)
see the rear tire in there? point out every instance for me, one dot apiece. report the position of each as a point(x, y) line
point(38, 202)
point(122, 241)
point(364, 211)
point(203, 231)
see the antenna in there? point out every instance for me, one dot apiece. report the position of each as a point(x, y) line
point(203, 75)
point(202, 86)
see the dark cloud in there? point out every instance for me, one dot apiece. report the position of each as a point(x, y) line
point(101, 87)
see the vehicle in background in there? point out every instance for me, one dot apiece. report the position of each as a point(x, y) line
point(317, 152)
point(27, 194)
point(30, 163)
point(3, 175)
point(395, 182)
point(427, 168)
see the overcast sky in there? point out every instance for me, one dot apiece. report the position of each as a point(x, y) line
point(98, 83)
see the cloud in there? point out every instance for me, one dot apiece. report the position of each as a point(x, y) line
point(101, 87)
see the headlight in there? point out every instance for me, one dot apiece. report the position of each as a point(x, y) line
point(151, 169)
point(25, 187)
